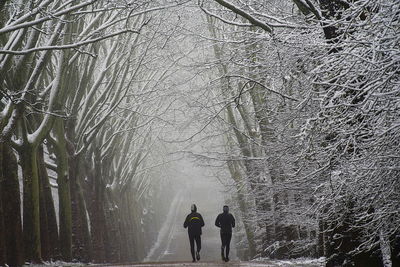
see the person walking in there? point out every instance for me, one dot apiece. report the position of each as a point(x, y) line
point(194, 221)
point(225, 221)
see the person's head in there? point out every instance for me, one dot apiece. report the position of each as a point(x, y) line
point(193, 208)
point(225, 209)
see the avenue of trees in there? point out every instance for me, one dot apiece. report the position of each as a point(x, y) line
point(80, 102)
point(295, 103)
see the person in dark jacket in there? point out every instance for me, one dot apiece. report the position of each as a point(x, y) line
point(226, 222)
point(194, 221)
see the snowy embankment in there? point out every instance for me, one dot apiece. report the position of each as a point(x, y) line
point(302, 262)
point(165, 229)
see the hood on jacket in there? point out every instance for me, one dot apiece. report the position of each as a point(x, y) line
point(225, 209)
point(193, 208)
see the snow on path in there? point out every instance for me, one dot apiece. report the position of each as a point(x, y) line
point(165, 232)
point(200, 264)
point(264, 263)
point(172, 243)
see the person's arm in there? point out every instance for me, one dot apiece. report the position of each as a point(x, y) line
point(202, 221)
point(233, 221)
point(217, 222)
point(185, 224)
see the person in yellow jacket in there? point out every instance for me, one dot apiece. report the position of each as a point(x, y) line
point(194, 222)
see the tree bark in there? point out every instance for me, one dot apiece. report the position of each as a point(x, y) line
point(50, 212)
point(44, 229)
point(395, 249)
point(10, 194)
point(31, 223)
point(115, 243)
point(3, 258)
point(125, 228)
point(253, 20)
point(64, 196)
point(321, 239)
point(96, 212)
point(81, 240)
point(331, 9)
point(128, 249)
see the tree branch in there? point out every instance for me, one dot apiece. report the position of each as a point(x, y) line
point(244, 14)
point(15, 26)
point(224, 20)
point(262, 85)
point(307, 7)
point(63, 47)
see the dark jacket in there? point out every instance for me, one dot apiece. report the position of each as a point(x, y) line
point(194, 221)
point(226, 222)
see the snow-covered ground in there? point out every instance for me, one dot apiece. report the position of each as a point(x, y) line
point(299, 263)
point(263, 263)
point(291, 263)
point(259, 263)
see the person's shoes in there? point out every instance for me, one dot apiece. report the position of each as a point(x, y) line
point(198, 255)
point(223, 257)
point(226, 259)
point(193, 260)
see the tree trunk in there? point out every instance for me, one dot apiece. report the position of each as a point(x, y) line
point(97, 218)
point(50, 212)
point(321, 239)
point(82, 248)
point(244, 145)
point(114, 223)
point(128, 245)
point(44, 229)
point(64, 195)
point(3, 258)
point(31, 224)
point(133, 221)
point(115, 243)
point(236, 176)
point(331, 10)
point(81, 238)
point(97, 221)
point(385, 249)
point(125, 228)
point(395, 249)
point(10, 194)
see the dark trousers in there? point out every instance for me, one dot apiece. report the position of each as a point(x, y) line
point(226, 241)
point(196, 238)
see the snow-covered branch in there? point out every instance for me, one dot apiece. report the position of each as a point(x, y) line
point(256, 22)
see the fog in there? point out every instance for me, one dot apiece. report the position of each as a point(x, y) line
point(194, 185)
